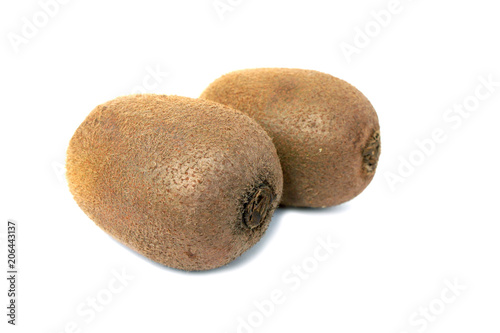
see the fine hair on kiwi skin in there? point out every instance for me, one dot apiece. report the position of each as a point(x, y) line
point(326, 131)
point(189, 183)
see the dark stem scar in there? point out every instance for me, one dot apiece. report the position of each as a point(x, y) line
point(258, 206)
point(371, 153)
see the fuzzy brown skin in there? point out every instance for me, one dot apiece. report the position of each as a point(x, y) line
point(176, 179)
point(325, 130)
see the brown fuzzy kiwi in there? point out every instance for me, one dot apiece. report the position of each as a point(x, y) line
point(326, 132)
point(188, 183)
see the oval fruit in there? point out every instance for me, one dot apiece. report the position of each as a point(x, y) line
point(188, 183)
point(326, 131)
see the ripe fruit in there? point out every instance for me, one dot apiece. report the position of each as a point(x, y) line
point(188, 183)
point(325, 131)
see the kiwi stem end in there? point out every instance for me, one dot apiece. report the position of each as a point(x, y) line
point(371, 153)
point(257, 208)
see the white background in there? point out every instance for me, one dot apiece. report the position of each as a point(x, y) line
point(399, 243)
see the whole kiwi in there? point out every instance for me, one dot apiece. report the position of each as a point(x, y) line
point(326, 131)
point(188, 183)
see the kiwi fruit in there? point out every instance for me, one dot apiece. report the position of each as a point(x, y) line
point(326, 131)
point(188, 183)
